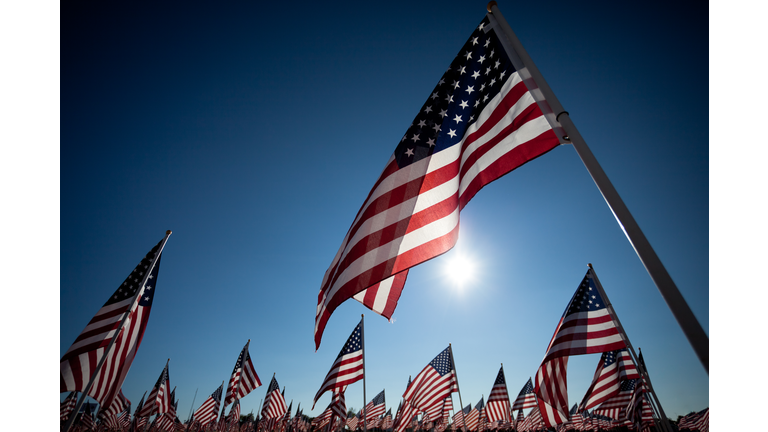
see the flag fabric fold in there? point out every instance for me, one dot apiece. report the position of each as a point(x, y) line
point(158, 401)
point(244, 378)
point(348, 366)
point(433, 384)
point(479, 123)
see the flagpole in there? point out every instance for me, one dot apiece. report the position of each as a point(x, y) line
point(685, 318)
point(450, 348)
point(103, 358)
point(509, 410)
point(362, 337)
point(625, 337)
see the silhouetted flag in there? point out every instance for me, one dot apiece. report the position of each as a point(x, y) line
point(80, 361)
point(498, 401)
point(209, 409)
point(479, 123)
point(118, 405)
point(433, 384)
point(244, 378)
point(68, 405)
point(616, 407)
point(348, 366)
point(526, 399)
point(159, 399)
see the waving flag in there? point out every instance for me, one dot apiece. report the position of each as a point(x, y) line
point(433, 384)
point(68, 406)
point(244, 378)
point(159, 399)
point(375, 407)
point(479, 123)
point(348, 366)
point(497, 408)
point(274, 402)
point(526, 398)
point(132, 301)
point(209, 409)
point(613, 367)
point(616, 407)
point(118, 405)
point(461, 415)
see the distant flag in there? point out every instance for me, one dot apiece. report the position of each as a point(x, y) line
point(497, 408)
point(520, 417)
point(461, 415)
point(159, 399)
point(447, 408)
point(473, 418)
point(132, 301)
point(526, 399)
point(274, 402)
point(234, 413)
point(434, 383)
point(244, 378)
point(209, 410)
point(86, 420)
point(403, 420)
point(376, 406)
point(702, 420)
point(616, 406)
point(348, 366)
point(479, 123)
point(68, 405)
point(134, 425)
point(118, 405)
point(387, 423)
point(586, 327)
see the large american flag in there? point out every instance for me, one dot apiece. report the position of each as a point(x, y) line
point(159, 399)
point(244, 378)
point(348, 366)
point(479, 123)
point(209, 409)
point(434, 383)
point(274, 403)
point(614, 366)
point(498, 401)
point(78, 364)
point(526, 399)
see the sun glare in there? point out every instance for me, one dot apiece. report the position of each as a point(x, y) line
point(460, 270)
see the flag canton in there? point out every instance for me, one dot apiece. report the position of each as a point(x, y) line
point(467, 409)
point(527, 388)
point(480, 405)
point(500, 378)
point(354, 343)
point(442, 363)
point(217, 395)
point(239, 363)
point(163, 376)
point(609, 358)
point(273, 385)
point(587, 298)
point(133, 282)
point(379, 399)
point(627, 385)
point(474, 78)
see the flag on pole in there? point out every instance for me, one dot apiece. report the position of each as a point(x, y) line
point(614, 366)
point(81, 359)
point(586, 327)
point(497, 408)
point(118, 405)
point(375, 407)
point(244, 378)
point(274, 402)
point(434, 383)
point(479, 123)
point(209, 410)
point(348, 366)
point(339, 403)
point(526, 399)
point(616, 407)
point(461, 415)
point(68, 405)
point(159, 400)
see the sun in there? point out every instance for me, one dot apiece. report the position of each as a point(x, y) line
point(460, 269)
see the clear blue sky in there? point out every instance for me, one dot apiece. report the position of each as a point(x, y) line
point(255, 131)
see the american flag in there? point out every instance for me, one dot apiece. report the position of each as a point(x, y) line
point(386, 424)
point(702, 420)
point(78, 364)
point(520, 417)
point(458, 418)
point(447, 408)
point(375, 407)
point(348, 366)
point(339, 403)
point(68, 405)
point(533, 421)
point(159, 399)
point(638, 406)
point(605, 383)
point(586, 327)
point(403, 421)
point(498, 400)
point(210, 408)
point(526, 398)
point(627, 368)
point(323, 419)
point(479, 123)
point(244, 378)
point(473, 418)
point(118, 405)
point(616, 406)
point(434, 383)
point(274, 403)
point(86, 419)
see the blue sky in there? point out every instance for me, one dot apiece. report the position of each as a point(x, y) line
point(254, 132)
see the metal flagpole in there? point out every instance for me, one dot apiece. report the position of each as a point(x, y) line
point(193, 405)
point(509, 410)
point(688, 323)
point(458, 389)
point(103, 358)
point(644, 374)
point(362, 338)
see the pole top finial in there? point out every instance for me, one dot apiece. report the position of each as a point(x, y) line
point(490, 5)
point(169, 232)
point(589, 265)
